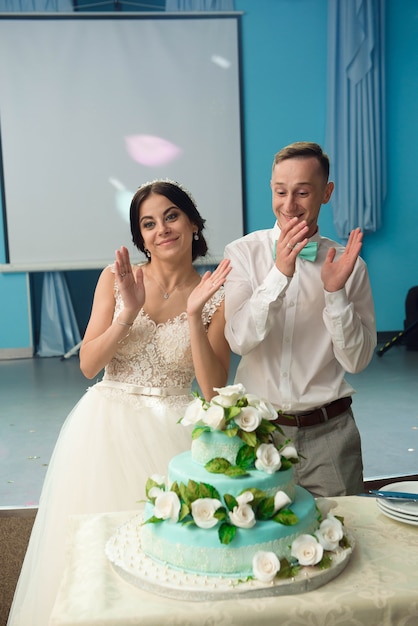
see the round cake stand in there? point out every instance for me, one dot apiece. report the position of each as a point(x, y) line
point(123, 550)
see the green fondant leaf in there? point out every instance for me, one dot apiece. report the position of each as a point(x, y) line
point(235, 472)
point(278, 429)
point(183, 493)
point(249, 438)
point(217, 466)
point(287, 570)
point(232, 412)
point(207, 491)
point(199, 430)
point(231, 432)
point(286, 464)
point(286, 517)
point(226, 533)
point(265, 509)
point(192, 491)
point(153, 520)
point(326, 561)
point(184, 511)
point(246, 456)
point(220, 514)
point(266, 428)
point(230, 501)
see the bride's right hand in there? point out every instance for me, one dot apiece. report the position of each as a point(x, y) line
point(130, 283)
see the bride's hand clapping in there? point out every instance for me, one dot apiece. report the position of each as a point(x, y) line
point(130, 283)
point(209, 284)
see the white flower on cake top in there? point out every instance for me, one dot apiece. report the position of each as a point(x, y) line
point(248, 417)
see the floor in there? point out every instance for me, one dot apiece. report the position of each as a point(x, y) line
point(37, 394)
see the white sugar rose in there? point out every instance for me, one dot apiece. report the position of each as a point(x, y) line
point(281, 499)
point(156, 491)
point(268, 458)
point(307, 550)
point(214, 417)
point(289, 452)
point(167, 506)
point(242, 516)
point(203, 512)
point(245, 497)
point(267, 410)
point(228, 396)
point(265, 566)
point(330, 533)
point(158, 478)
point(193, 414)
point(249, 419)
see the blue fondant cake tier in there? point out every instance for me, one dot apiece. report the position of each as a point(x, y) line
point(198, 550)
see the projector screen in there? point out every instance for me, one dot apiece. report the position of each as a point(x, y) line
point(91, 107)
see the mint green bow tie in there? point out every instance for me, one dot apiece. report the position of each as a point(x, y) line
point(308, 252)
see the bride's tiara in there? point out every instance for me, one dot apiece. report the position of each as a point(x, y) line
point(171, 182)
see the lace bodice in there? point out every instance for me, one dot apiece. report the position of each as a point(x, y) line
point(157, 355)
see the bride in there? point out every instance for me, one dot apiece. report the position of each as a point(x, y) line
point(154, 328)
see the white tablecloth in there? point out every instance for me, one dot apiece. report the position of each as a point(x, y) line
point(378, 587)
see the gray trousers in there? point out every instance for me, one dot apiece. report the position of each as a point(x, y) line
point(330, 461)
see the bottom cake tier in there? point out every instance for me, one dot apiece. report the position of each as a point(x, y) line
point(124, 552)
point(196, 550)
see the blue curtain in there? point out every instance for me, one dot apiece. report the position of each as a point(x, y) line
point(356, 131)
point(199, 5)
point(59, 332)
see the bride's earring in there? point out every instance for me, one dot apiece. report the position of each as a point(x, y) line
point(196, 236)
point(147, 253)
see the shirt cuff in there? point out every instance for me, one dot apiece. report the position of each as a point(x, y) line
point(274, 285)
point(336, 301)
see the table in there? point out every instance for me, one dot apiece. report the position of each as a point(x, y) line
point(378, 587)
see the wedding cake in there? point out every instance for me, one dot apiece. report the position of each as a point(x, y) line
point(230, 507)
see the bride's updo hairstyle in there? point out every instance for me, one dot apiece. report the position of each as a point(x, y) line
point(182, 199)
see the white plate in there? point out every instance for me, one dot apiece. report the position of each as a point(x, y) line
point(401, 506)
point(385, 507)
point(397, 516)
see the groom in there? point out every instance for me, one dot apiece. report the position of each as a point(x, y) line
point(299, 311)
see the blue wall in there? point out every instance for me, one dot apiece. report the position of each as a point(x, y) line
point(284, 87)
point(15, 310)
point(284, 63)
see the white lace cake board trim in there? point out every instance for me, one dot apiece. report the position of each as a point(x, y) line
point(123, 550)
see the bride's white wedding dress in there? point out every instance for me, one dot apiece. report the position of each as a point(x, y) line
point(124, 429)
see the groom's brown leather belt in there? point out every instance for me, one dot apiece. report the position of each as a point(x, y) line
point(317, 416)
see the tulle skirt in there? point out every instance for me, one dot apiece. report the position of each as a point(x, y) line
point(109, 445)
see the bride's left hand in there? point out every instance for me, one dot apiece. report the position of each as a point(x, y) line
point(209, 284)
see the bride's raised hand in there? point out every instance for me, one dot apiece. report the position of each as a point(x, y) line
point(130, 281)
point(209, 284)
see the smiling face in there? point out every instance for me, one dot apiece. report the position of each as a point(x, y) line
point(166, 230)
point(299, 188)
